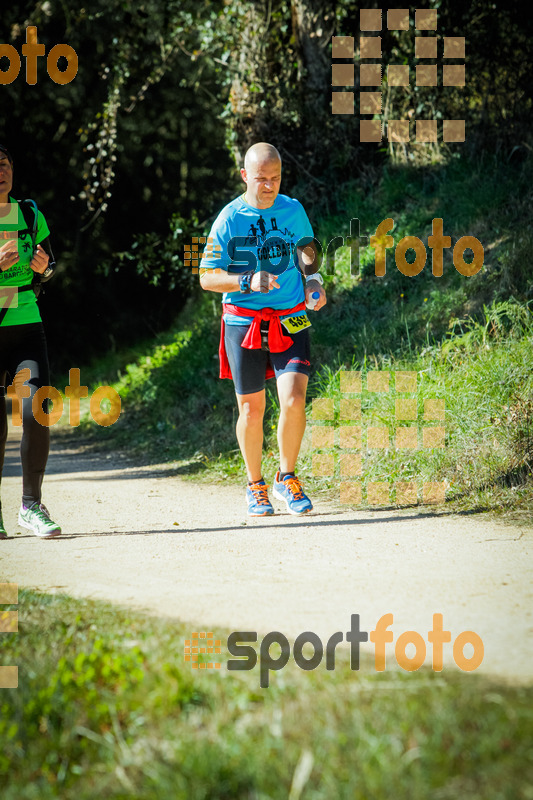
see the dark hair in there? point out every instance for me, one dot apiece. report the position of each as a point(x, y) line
point(6, 151)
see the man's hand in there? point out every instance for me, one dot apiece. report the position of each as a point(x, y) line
point(264, 282)
point(315, 286)
point(40, 260)
point(8, 255)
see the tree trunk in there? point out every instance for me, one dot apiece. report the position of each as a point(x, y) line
point(313, 23)
point(247, 90)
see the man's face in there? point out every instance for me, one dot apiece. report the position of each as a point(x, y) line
point(6, 174)
point(262, 180)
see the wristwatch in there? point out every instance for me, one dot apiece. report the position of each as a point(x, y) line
point(245, 282)
point(316, 276)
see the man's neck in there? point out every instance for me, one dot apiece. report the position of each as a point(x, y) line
point(259, 208)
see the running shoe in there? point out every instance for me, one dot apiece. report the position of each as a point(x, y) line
point(290, 490)
point(3, 532)
point(37, 519)
point(257, 498)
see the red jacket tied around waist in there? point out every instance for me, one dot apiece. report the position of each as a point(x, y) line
point(278, 341)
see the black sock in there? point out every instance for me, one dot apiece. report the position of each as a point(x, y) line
point(250, 483)
point(283, 475)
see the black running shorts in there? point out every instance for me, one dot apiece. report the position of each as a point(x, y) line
point(248, 367)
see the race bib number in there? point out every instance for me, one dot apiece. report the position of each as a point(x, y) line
point(295, 324)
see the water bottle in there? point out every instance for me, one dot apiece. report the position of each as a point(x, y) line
point(313, 300)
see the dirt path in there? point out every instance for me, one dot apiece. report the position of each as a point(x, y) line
point(217, 567)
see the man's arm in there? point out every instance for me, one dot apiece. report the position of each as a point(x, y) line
point(307, 259)
point(218, 280)
point(307, 262)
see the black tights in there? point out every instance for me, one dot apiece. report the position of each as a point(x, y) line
point(24, 347)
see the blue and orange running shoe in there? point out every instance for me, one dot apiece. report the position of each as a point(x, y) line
point(290, 490)
point(257, 498)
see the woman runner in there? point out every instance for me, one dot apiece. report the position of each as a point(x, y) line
point(25, 260)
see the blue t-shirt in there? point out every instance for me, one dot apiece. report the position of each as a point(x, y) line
point(249, 238)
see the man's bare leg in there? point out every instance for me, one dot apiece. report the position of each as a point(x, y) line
point(250, 431)
point(292, 387)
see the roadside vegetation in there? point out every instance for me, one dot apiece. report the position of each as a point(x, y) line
point(468, 339)
point(106, 706)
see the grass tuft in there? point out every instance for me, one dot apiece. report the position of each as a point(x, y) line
point(107, 707)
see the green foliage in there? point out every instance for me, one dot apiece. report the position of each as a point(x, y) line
point(484, 376)
point(465, 336)
point(167, 92)
point(136, 134)
point(107, 707)
point(158, 259)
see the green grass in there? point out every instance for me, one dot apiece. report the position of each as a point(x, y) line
point(484, 377)
point(107, 707)
point(468, 338)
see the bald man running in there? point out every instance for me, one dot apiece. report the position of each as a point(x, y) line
point(266, 245)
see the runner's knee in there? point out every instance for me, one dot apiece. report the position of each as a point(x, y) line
point(295, 401)
point(252, 412)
